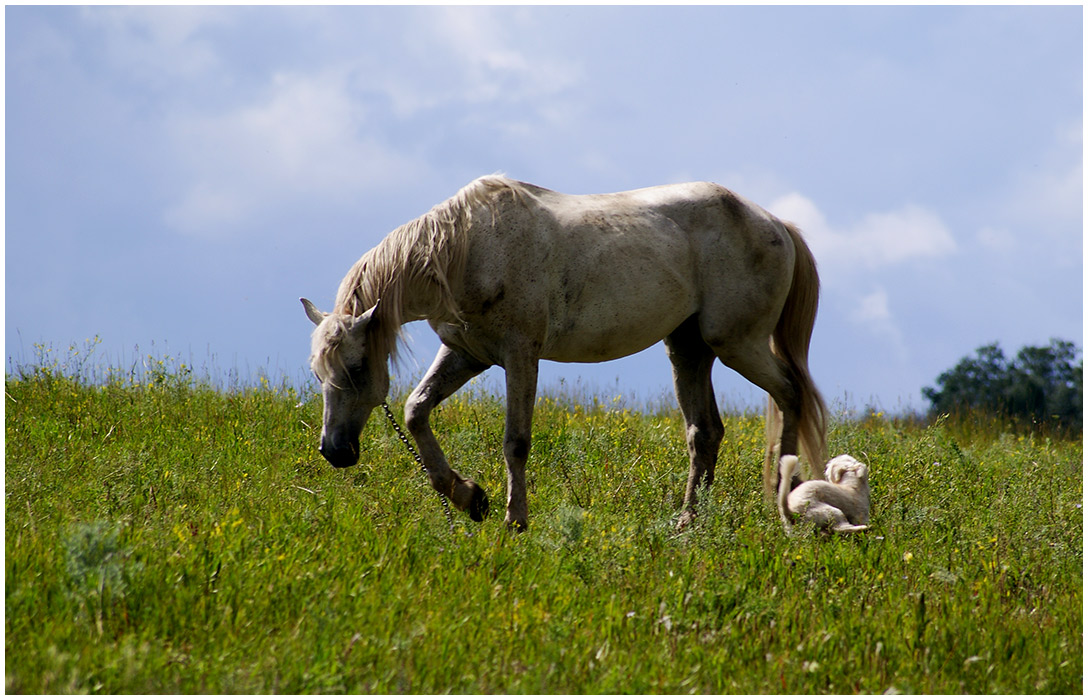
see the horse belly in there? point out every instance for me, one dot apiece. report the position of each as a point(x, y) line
point(617, 312)
point(608, 342)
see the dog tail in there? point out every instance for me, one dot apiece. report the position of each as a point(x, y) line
point(786, 465)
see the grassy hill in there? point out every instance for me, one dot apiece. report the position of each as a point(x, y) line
point(163, 536)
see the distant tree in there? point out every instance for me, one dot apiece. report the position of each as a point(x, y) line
point(1041, 385)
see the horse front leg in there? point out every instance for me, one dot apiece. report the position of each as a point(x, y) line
point(692, 362)
point(521, 376)
point(448, 373)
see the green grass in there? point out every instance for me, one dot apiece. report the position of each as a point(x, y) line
point(166, 537)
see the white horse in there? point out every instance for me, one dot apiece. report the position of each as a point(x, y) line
point(508, 273)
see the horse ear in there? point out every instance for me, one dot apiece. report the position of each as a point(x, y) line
point(360, 323)
point(312, 313)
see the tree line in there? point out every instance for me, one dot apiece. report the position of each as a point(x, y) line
point(1039, 386)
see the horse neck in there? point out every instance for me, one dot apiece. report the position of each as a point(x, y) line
point(416, 269)
point(410, 286)
point(430, 301)
point(426, 279)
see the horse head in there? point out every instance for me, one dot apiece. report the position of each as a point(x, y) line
point(354, 378)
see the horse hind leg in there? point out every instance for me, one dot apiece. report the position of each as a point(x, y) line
point(756, 362)
point(692, 361)
point(773, 420)
point(449, 372)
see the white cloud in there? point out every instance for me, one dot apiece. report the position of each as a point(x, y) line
point(873, 313)
point(460, 58)
point(1041, 207)
point(1049, 200)
point(307, 138)
point(877, 240)
point(854, 257)
point(331, 132)
point(491, 64)
point(208, 209)
point(907, 233)
point(873, 308)
point(157, 44)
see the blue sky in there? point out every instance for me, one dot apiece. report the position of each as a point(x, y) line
point(180, 176)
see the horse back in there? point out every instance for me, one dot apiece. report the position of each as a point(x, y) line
point(596, 277)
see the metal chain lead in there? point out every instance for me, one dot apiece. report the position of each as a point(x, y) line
point(415, 455)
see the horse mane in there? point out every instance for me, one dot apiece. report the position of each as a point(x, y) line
point(414, 269)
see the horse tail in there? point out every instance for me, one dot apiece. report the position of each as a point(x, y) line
point(789, 342)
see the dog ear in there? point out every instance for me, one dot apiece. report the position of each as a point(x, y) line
point(840, 466)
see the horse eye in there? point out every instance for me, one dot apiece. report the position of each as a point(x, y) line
point(358, 375)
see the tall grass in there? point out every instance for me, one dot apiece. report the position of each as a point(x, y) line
point(167, 536)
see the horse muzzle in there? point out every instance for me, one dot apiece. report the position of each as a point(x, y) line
point(339, 454)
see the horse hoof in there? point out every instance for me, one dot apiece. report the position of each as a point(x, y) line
point(685, 521)
point(517, 526)
point(479, 506)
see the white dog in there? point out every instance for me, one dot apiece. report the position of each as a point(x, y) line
point(841, 503)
